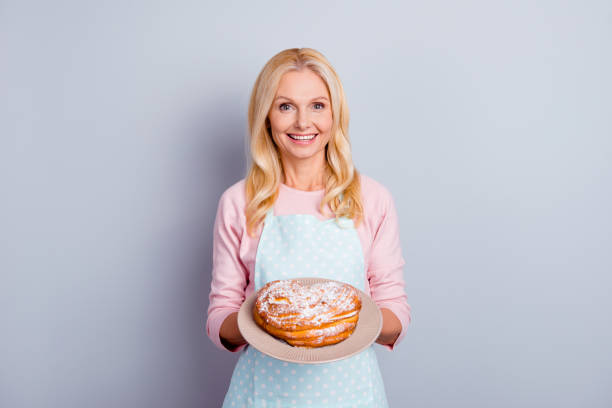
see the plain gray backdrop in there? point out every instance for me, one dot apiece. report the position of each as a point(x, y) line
point(122, 122)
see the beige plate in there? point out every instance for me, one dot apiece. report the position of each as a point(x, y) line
point(366, 332)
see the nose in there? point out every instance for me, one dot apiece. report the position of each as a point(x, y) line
point(302, 119)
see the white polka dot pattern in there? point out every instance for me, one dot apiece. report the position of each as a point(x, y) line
point(300, 245)
point(293, 246)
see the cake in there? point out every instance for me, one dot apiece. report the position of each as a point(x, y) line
point(315, 315)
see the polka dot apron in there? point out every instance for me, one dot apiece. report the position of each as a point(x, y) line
point(301, 245)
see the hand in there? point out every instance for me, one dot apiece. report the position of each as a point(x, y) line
point(230, 334)
point(391, 328)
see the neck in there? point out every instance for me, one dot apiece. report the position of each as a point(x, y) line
point(307, 175)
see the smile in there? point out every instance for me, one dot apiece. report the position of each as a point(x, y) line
point(302, 137)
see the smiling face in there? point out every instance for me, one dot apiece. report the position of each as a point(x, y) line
point(301, 117)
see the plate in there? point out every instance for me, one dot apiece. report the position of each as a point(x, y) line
point(366, 332)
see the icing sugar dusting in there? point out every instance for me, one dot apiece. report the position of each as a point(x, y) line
point(291, 304)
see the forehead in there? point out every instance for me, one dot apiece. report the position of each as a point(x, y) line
point(303, 84)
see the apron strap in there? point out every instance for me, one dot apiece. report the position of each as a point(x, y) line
point(270, 213)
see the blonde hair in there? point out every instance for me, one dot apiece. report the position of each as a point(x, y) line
point(265, 172)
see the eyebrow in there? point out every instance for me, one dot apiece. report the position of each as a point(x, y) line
point(289, 99)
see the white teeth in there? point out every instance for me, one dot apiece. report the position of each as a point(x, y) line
point(308, 137)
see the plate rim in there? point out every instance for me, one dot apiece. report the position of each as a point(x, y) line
point(244, 314)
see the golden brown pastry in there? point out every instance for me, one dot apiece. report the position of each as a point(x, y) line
point(308, 315)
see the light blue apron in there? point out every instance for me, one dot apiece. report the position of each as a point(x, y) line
point(301, 245)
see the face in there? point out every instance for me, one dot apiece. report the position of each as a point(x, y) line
point(300, 116)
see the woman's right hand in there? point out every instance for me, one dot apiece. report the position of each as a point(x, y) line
point(230, 334)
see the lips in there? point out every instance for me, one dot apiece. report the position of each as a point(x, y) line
point(302, 137)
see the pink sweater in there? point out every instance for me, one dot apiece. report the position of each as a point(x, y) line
point(234, 250)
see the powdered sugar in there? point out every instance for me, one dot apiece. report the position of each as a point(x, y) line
point(287, 303)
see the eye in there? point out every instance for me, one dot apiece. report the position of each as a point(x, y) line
point(283, 105)
point(322, 106)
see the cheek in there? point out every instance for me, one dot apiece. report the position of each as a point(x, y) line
point(326, 124)
point(326, 133)
point(279, 123)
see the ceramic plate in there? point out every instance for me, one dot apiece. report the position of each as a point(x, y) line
point(365, 333)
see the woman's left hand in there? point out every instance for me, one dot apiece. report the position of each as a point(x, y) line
point(391, 328)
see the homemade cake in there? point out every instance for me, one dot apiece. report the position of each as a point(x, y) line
point(314, 315)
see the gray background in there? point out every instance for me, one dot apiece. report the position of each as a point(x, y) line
point(122, 123)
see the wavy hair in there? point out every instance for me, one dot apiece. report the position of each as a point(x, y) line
point(342, 185)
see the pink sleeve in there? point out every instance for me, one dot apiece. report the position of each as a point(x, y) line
point(385, 267)
point(229, 275)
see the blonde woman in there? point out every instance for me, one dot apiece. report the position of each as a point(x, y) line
point(288, 218)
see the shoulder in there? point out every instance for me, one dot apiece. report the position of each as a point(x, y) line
point(235, 192)
point(233, 199)
point(374, 194)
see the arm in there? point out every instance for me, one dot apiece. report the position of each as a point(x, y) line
point(385, 274)
point(229, 276)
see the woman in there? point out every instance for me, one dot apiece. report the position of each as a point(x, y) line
point(275, 224)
